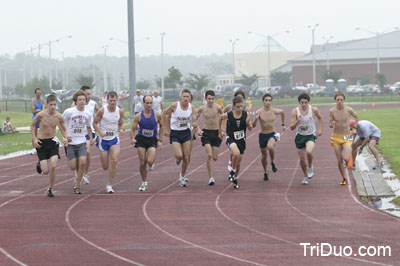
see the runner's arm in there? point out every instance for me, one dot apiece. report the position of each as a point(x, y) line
point(136, 121)
point(96, 121)
point(121, 120)
point(320, 120)
point(294, 121)
point(161, 125)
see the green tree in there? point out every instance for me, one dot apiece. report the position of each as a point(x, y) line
point(335, 75)
point(143, 84)
point(31, 85)
point(247, 80)
point(197, 82)
point(380, 79)
point(279, 78)
point(83, 80)
point(173, 79)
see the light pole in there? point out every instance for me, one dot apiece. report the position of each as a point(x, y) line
point(327, 50)
point(313, 52)
point(162, 64)
point(233, 57)
point(269, 37)
point(378, 67)
point(105, 69)
point(50, 68)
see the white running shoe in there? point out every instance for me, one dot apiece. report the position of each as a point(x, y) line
point(109, 189)
point(310, 172)
point(230, 166)
point(211, 181)
point(305, 180)
point(85, 180)
point(143, 186)
point(182, 181)
point(151, 167)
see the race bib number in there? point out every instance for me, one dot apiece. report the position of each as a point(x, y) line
point(78, 129)
point(238, 134)
point(303, 128)
point(349, 137)
point(183, 124)
point(147, 132)
point(109, 133)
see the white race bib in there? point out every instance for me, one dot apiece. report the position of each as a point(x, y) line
point(147, 132)
point(77, 129)
point(238, 134)
point(303, 128)
point(183, 125)
point(349, 137)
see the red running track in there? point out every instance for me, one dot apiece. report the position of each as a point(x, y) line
point(262, 223)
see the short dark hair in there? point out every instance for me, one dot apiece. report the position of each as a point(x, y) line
point(187, 91)
point(112, 94)
point(77, 94)
point(84, 88)
point(209, 92)
point(237, 99)
point(241, 93)
point(147, 95)
point(339, 93)
point(267, 95)
point(38, 89)
point(303, 96)
point(51, 97)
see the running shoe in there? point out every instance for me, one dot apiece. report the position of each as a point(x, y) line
point(305, 180)
point(77, 190)
point(231, 176)
point(182, 182)
point(230, 166)
point(143, 186)
point(310, 172)
point(151, 167)
point(378, 166)
point(235, 183)
point(85, 179)
point(211, 181)
point(178, 162)
point(38, 169)
point(109, 189)
point(50, 193)
point(344, 181)
point(274, 169)
point(266, 177)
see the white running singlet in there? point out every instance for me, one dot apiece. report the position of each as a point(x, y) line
point(180, 119)
point(109, 123)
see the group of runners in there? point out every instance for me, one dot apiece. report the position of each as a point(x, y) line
point(179, 122)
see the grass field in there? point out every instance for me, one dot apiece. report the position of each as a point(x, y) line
point(388, 121)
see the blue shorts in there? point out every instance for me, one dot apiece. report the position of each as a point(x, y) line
point(180, 136)
point(104, 145)
point(264, 138)
point(93, 136)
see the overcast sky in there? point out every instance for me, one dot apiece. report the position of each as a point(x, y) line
point(193, 27)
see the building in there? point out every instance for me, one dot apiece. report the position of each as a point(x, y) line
point(356, 59)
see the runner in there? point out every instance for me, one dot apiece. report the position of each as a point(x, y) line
point(79, 123)
point(268, 137)
point(38, 104)
point(47, 143)
point(157, 102)
point(147, 140)
point(367, 133)
point(342, 138)
point(92, 107)
point(109, 123)
point(137, 102)
point(183, 116)
point(210, 133)
point(236, 122)
point(303, 120)
point(230, 107)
